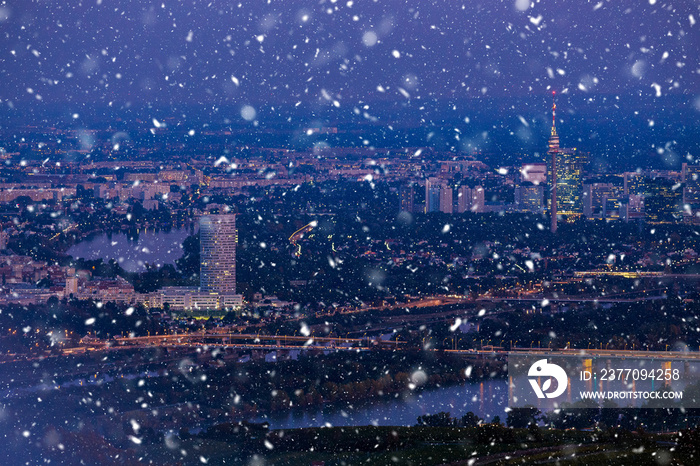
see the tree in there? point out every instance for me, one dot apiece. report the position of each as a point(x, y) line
point(23, 201)
point(494, 432)
point(189, 263)
point(441, 419)
point(44, 283)
point(137, 211)
point(520, 418)
point(471, 420)
point(578, 415)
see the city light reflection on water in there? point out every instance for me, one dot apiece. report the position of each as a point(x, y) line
point(486, 399)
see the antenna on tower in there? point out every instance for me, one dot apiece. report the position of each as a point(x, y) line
point(554, 113)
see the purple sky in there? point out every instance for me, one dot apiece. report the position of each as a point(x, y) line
point(137, 51)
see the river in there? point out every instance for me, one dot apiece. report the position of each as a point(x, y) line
point(133, 252)
point(485, 399)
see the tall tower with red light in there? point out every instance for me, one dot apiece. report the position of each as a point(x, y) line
point(552, 152)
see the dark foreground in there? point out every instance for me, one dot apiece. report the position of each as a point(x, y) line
point(252, 444)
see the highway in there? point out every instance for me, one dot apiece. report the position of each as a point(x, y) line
point(292, 342)
point(257, 341)
point(301, 342)
point(540, 299)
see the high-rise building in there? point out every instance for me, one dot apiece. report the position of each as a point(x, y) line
point(432, 194)
point(218, 238)
point(464, 197)
point(690, 177)
point(569, 175)
point(438, 195)
point(446, 198)
point(632, 207)
point(529, 197)
point(601, 200)
point(71, 283)
point(406, 198)
point(478, 200)
point(633, 183)
point(662, 200)
point(470, 199)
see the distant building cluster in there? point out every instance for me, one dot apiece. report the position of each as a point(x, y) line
point(560, 186)
point(22, 277)
point(27, 281)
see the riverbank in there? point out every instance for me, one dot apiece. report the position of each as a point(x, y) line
point(194, 390)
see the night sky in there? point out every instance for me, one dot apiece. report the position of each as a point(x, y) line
point(457, 76)
point(343, 51)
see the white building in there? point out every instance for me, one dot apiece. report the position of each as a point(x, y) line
point(218, 238)
point(185, 298)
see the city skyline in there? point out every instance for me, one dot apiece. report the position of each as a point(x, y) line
point(349, 232)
